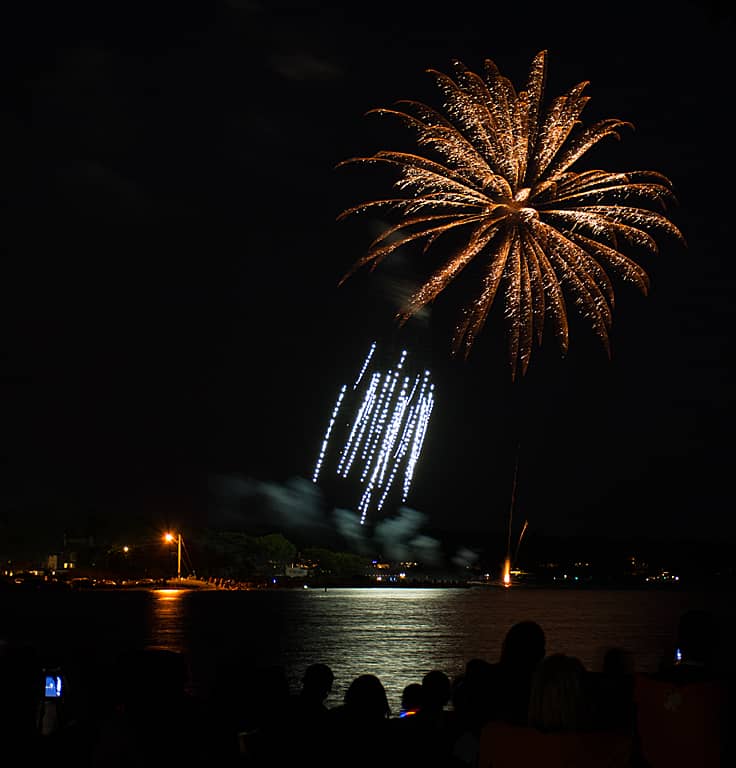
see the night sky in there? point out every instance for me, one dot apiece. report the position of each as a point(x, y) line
point(173, 331)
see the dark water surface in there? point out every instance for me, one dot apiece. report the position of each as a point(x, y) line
point(398, 634)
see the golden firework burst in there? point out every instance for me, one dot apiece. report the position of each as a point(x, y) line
point(504, 179)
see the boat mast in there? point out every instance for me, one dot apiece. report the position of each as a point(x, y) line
point(507, 562)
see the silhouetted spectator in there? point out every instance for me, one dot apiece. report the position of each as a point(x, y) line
point(503, 745)
point(411, 699)
point(611, 690)
point(156, 721)
point(523, 648)
point(557, 700)
point(366, 701)
point(427, 738)
point(359, 734)
point(264, 740)
point(411, 703)
point(307, 718)
point(21, 692)
point(684, 712)
point(229, 709)
point(246, 711)
point(70, 723)
point(618, 662)
point(316, 687)
point(473, 704)
point(474, 694)
point(697, 644)
point(557, 735)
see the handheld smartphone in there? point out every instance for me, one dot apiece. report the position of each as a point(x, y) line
point(52, 686)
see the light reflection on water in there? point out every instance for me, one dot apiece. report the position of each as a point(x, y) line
point(399, 634)
point(168, 620)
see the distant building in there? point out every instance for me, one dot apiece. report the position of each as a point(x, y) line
point(78, 551)
point(62, 561)
point(296, 571)
point(637, 567)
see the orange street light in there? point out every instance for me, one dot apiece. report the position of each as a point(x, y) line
point(170, 537)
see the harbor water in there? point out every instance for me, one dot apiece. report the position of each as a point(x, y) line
point(397, 634)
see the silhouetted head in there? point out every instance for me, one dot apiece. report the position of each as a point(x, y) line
point(412, 697)
point(618, 662)
point(436, 689)
point(472, 691)
point(524, 645)
point(317, 681)
point(366, 698)
point(557, 701)
point(696, 636)
point(478, 668)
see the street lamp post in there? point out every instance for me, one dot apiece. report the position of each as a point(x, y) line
point(170, 537)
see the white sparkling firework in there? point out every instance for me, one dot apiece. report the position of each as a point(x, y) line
point(386, 433)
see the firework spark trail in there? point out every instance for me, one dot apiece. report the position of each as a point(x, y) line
point(326, 439)
point(426, 403)
point(386, 433)
point(521, 536)
point(379, 420)
point(365, 364)
point(359, 424)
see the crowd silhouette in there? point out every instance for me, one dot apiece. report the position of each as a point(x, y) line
point(528, 708)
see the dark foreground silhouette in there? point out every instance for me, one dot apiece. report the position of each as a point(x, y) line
point(528, 708)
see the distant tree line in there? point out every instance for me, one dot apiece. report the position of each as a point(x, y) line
point(242, 557)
